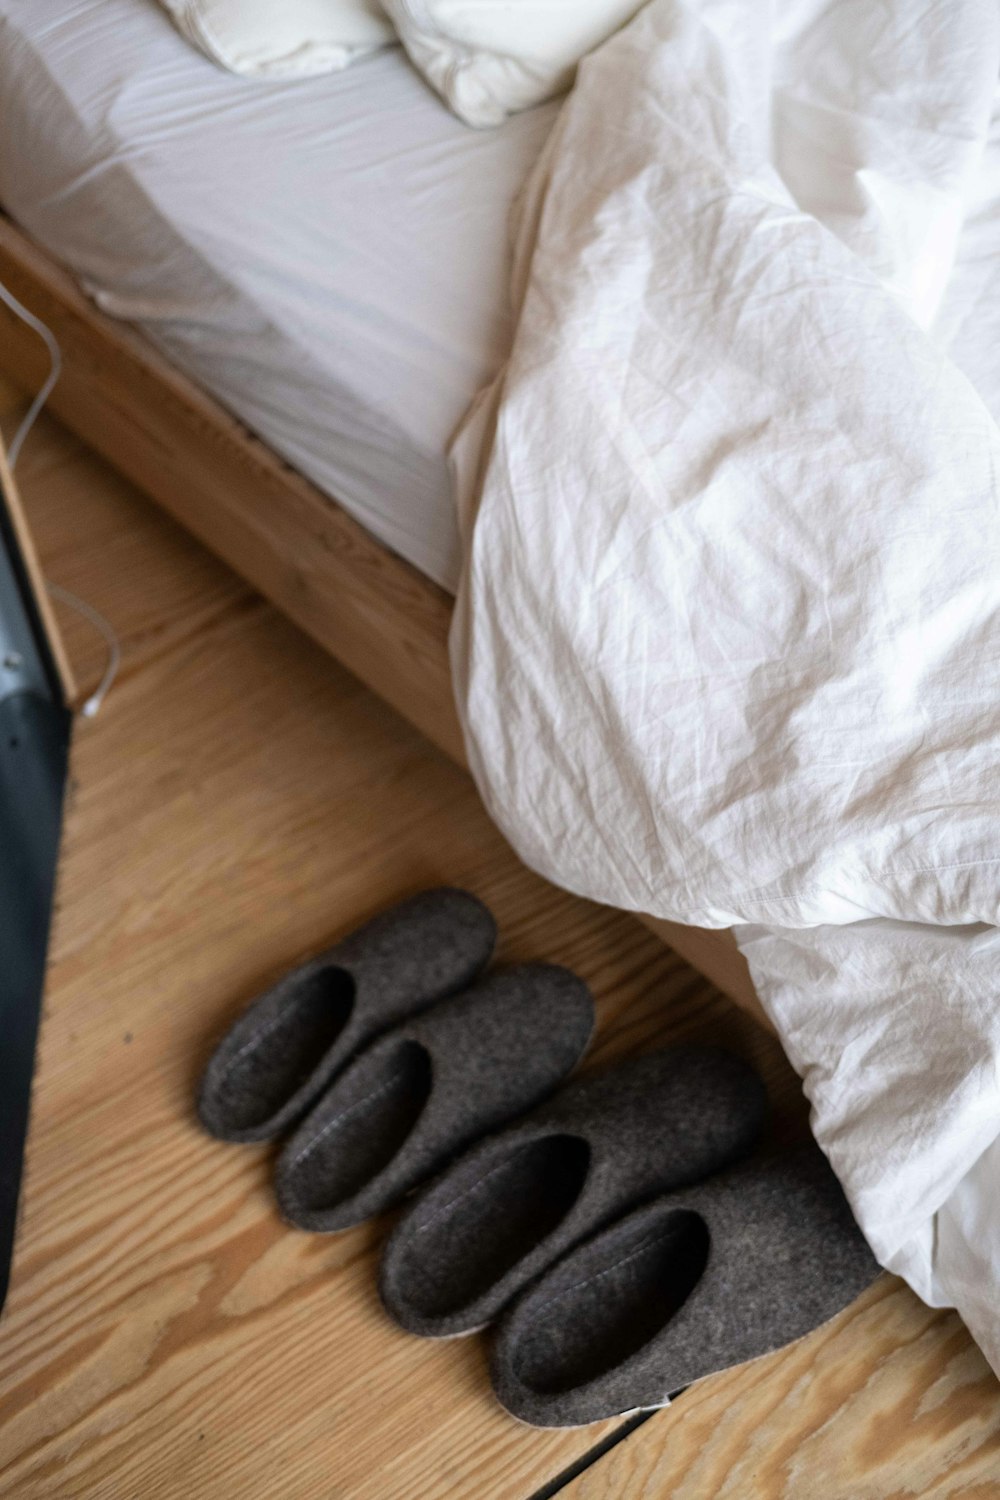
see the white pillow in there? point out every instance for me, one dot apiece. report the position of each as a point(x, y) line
point(490, 58)
point(282, 38)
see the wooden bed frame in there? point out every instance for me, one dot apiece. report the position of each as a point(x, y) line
point(369, 608)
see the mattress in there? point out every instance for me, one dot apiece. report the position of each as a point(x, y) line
point(327, 257)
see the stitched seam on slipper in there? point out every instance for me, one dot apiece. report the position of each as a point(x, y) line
point(258, 1035)
point(262, 1031)
point(623, 1260)
point(345, 1114)
point(465, 1193)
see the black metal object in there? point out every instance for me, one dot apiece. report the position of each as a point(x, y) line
point(34, 747)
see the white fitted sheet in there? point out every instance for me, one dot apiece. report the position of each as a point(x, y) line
point(327, 257)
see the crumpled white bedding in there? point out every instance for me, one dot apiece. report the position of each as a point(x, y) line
point(727, 647)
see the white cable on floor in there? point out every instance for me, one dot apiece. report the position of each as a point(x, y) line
point(96, 699)
point(55, 369)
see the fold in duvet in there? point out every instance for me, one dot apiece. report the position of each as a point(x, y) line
point(727, 647)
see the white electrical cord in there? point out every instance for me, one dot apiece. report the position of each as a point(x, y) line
point(92, 707)
point(96, 699)
point(55, 369)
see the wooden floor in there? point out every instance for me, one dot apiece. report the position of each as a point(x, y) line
point(239, 802)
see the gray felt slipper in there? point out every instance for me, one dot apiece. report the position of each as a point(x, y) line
point(428, 1088)
point(285, 1049)
point(517, 1201)
point(690, 1284)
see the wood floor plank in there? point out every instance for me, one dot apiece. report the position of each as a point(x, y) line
point(240, 802)
point(891, 1401)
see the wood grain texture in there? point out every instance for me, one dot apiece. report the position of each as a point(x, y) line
point(890, 1401)
point(241, 801)
point(713, 952)
point(369, 608)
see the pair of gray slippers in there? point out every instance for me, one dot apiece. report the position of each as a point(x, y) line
point(617, 1230)
point(388, 1054)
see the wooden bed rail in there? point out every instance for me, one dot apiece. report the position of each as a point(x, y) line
point(369, 608)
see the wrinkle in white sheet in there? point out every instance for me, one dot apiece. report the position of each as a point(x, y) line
point(728, 642)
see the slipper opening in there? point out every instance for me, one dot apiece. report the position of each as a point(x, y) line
point(365, 1135)
point(615, 1307)
point(456, 1257)
point(264, 1076)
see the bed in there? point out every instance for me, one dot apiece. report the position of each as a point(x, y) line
point(326, 256)
point(283, 376)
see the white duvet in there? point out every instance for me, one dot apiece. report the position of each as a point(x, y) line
point(727, 647)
